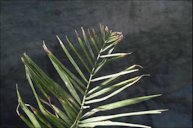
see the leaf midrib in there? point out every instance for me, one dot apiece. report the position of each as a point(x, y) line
point(86, 91)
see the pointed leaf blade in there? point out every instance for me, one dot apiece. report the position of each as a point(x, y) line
point(59, 68)
point(111, 123)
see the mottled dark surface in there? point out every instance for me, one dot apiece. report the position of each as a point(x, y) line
point(159, 33)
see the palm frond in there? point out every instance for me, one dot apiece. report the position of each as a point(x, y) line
point(77, 100)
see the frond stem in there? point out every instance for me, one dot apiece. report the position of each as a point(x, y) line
point(86, 91)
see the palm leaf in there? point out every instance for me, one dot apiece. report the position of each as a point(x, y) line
point(77, 100)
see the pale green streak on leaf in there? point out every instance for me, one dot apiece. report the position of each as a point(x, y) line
point(111, 123)
point(59, 68)
point(72, 60)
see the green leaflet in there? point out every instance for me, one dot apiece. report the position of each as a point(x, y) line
point(61, 71)
point(95, 36)
point(30, 115)
point(115, 55)
point(102, 29)
point(62, 115)
point(42, 119)
point(72, 60)
point(93, 41)
point(111, 123)
point(114, 75)
point(84, 49)
point(44, 81)
point(55, 121)
point(113, 93)
point(126, 102)
point(119, 104)
point(110, 80)
point(27, 121)
point(102, 118)
point(112, 87)
point(80, 58)
point(88, 44)
point(29, 124)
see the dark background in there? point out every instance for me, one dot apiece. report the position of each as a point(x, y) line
point(158, 32)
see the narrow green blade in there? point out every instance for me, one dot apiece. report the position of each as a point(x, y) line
point(93, 41)
point(103, 118)
point(84, 49)
point(43, 80)
point(59, 68)
point(62, 115)
point(111, 123)
point(80, 58)
point(99, 43)
point(102, 29)
point(114, 75)
point(115, 55)
point(27, 111)
point(107, 47)
point(72, 60)
point(87, 43)
point(113, 93)
point(110, 80)
point(119, 104)
point(27, 122)
point(40, 117)
point(52, 118)
point(111, 88)
point(126, 102)
point(99, 66)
